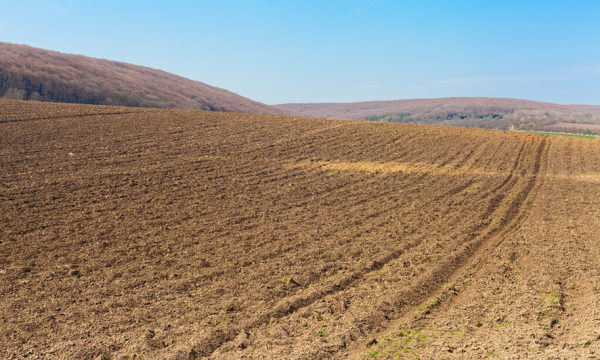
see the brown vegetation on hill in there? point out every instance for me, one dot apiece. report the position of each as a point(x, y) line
point(170, 234)
point(594, 109)
point(363, 110)
point(28, 73)
point(486, 113)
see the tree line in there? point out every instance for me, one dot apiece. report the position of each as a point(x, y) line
point(500, 119)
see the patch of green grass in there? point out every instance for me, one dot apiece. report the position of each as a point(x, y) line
point(427, 308)
point(558, 134)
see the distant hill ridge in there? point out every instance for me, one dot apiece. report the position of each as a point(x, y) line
point(28, 73)
point(366, 109)
point(477, 112)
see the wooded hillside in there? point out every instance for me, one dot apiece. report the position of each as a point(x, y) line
point(28, 73)
point(477, 112)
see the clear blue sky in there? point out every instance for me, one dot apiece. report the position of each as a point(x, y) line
point(335, 51)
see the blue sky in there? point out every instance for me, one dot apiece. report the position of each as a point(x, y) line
point(335, 51)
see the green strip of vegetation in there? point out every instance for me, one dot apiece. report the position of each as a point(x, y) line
point(557, 134)
point(399, 116)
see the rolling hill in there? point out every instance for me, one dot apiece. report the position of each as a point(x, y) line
point(594, 109)
point(28, 73)
point(477, 112)
point(363, 110)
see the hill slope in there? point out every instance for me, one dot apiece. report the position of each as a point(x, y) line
point(594, 109)
point(28, 73)
point(487, 113)
point(171, 234)
point(362, 110)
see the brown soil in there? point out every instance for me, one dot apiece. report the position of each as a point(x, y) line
point(164, 234)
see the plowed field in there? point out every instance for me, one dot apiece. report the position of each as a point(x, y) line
point(161, 234)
